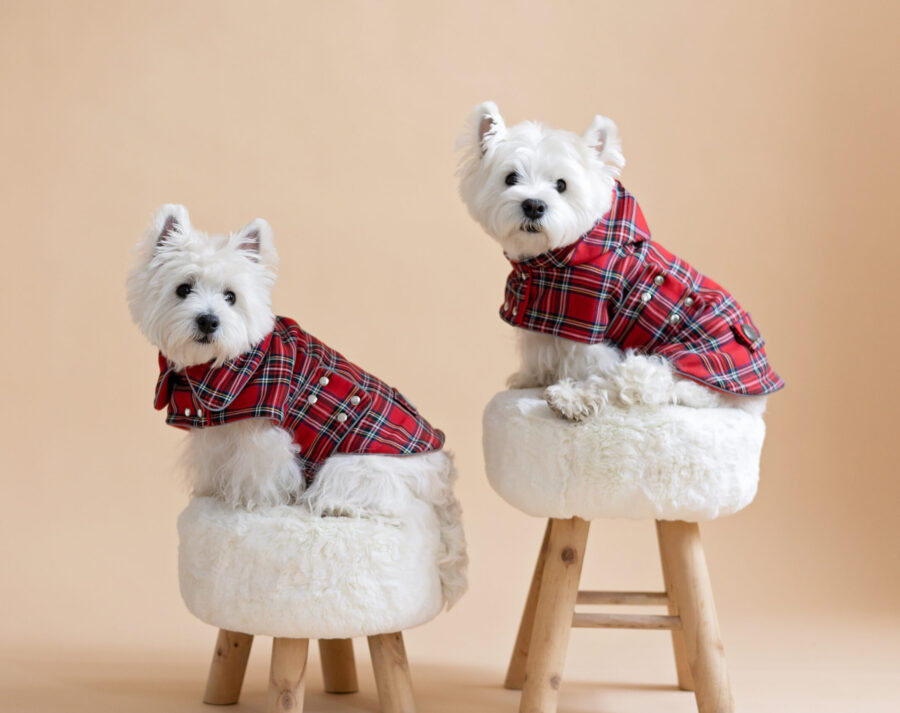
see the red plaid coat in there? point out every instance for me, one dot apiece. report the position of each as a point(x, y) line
point(329, 404)
point(614, 285)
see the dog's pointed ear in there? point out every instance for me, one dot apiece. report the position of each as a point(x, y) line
point(483, 129)
point(255, 239)
point(170, 220)
point(603, 136)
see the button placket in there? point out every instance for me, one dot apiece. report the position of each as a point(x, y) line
point(649, 293)
point(520, 295)
point(318, 385)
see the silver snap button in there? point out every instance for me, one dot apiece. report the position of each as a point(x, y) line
point(515, 311)
point(674, 318)
point(646, 297)
point(324, 381)
point(187, 412)
point(341, 417)
point(689, 302)
point(200, 413)
point(312, 399)
point(354, 400)
point(658, 280)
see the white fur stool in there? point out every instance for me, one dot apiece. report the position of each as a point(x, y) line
point(286, 573)
point(674, 464)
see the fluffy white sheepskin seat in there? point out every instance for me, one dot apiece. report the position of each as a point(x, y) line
point(284, 572)
point(666, 463)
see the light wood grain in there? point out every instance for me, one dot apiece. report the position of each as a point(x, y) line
point(515, 674)
point(338, 665)
point(226, 671)
point(553, 615)
point(395, 692)
point(691, 591)
point(585, 620)
point(287, 677)
point(682, 668)
point(590, 598)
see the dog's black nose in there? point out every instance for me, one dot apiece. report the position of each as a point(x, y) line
point(207, 323)
point(533, 209)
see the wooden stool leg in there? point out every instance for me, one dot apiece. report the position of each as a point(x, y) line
point(338, 665)
point(682, 552)
point(287, 678)
point(685, 681)
point(553, 615)
point(392, 678)
point(226, 672)
point(515, 674)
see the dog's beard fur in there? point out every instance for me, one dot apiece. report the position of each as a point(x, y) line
point(579, 380)
point(212, 265)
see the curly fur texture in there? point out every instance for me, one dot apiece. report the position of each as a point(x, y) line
point(628, 461)
point(284, 571)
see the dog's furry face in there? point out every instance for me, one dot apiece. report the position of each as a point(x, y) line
point(198, 297)
point(533, 188)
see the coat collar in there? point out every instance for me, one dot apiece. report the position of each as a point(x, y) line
point(214, 387)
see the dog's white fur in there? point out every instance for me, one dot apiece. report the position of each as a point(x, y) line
point(252, 463)
point(579, 379)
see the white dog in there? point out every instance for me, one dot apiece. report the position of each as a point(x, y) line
point(537, 191)
point(205, 302)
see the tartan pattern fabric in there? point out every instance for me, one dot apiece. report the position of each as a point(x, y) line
point(291, 378)
point(615, 285)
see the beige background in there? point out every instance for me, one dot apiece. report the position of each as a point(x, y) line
point(761, 140)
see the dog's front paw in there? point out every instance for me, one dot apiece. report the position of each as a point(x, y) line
point(566, 400)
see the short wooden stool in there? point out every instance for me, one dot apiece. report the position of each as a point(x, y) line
point(285, 573)
point(540, 651)
point(671, 464)
point(287, 677)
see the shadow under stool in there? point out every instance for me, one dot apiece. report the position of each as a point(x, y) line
point(673, 464)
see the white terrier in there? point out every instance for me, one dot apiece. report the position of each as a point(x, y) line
point(275, 416)
point(606, 316)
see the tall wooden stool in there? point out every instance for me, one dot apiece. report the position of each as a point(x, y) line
point(283, 573)
point(675, 465)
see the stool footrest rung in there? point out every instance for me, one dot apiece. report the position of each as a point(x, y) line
point(632, 598)
point(591, 620)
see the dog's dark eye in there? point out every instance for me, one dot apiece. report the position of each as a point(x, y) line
point(512, 179)
point(230, 297)
point(183, 290)
point(561, 186)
